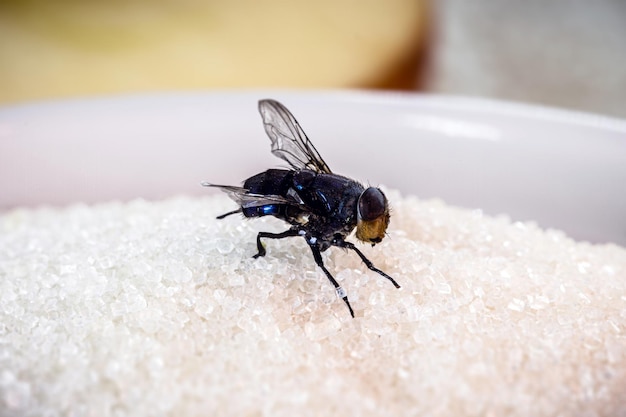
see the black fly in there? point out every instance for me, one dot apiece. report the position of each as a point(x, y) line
point(321, 206)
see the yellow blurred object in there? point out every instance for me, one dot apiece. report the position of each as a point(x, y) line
point(70, 48)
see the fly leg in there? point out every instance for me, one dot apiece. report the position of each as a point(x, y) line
point(220, 217)
point(317, 255)
point(366, 261)
point(259, 244)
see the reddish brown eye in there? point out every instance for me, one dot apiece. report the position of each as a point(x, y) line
point(372, 204)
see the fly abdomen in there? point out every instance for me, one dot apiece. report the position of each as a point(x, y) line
point(270, 182)
point(266, 210)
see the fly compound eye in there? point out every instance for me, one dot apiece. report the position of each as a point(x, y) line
point(372, 216)
point(372, 204)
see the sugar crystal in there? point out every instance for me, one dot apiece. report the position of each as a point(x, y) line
point(157, 308)
point(516, 305)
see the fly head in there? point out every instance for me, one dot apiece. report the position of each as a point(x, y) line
point(372, 216)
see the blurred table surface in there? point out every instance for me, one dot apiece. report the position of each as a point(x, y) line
point(561, 53)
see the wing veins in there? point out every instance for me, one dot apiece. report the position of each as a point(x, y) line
point(246, 199)
point(289, 142)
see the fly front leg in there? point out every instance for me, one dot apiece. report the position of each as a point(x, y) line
point(259, 244)
point(317, 255)
point(367, 262)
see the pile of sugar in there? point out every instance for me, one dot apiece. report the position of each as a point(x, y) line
point(157, 308)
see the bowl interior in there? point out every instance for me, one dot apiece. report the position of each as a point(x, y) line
point(561, 169)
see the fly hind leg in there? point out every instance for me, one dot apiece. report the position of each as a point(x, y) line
point(221, 216)
point(267, 235)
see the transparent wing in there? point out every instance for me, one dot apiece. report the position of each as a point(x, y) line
point(246, 199)
point(289, 142)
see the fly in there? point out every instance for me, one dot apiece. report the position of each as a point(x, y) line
point(320, 206)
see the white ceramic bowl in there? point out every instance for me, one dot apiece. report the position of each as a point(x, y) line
point(562, 169)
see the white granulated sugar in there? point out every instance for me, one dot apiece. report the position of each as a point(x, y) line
point(158, 309)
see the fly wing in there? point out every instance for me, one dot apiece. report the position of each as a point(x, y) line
point(289, 142)
point(245, 199)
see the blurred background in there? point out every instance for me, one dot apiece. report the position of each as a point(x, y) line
point(563, 53)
